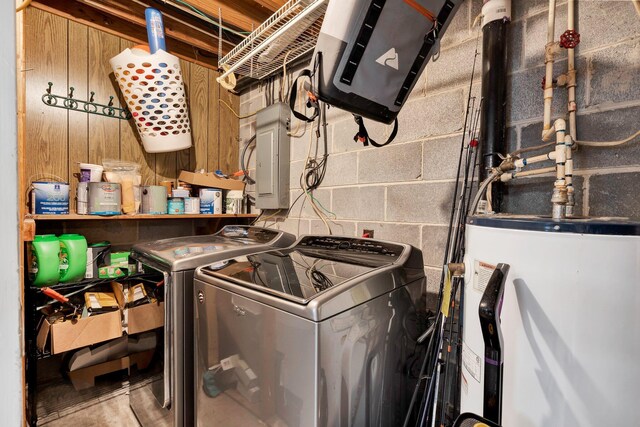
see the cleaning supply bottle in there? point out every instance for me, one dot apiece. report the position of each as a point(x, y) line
point(44, 260)
point(155, 30)
point(73, 257)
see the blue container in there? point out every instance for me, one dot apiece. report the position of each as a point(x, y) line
point(50, 198)
point(155, 30)
point(175, 206)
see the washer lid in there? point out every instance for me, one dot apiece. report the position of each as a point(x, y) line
point(316, 264)
point(189, 252)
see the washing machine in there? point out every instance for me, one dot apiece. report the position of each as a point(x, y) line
point(565, 349)
point(319, 334)
point(168, 401)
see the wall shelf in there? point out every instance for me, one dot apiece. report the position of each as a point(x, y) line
point(48, 221)
point(75, 217)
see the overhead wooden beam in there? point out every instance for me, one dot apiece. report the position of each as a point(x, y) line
point(186, 29)
point(272, 5)
point(244, 14)
point(111, 24)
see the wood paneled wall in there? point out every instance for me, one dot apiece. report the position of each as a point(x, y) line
point(70, 54)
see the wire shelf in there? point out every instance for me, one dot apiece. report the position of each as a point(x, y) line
point(289, 33)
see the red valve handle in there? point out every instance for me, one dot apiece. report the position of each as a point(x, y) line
point(569, 39)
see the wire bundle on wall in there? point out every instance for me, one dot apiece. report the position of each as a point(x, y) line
point(316, 160)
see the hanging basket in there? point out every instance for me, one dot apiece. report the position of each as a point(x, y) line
point(153, 89)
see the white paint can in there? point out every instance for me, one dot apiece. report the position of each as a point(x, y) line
point(192, 205)
point(211, 201)
point(154, 199)
point(104, 198)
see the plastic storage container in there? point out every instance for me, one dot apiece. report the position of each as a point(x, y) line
point(44, 260)
point(90, 172)
point(73, 257)
point(153, 89)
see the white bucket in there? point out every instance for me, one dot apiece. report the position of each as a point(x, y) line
point(90, 172)
point(153, 89)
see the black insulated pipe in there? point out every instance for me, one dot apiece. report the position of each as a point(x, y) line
point(493, 120)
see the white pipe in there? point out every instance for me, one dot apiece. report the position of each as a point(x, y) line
point(550, 50)
point(568, 176)
point(520, 163)
point(560, 127)
point(559, 197)
point(513, 175)
point(571, 74)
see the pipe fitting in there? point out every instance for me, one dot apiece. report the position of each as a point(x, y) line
point(550, 51)
point(496, 10)
point(560, 125)
point(507, 165)
point(571, 202)
point(559, 201)
point(562, 80)
point(456, 269)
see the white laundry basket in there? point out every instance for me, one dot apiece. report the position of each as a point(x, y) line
point(154, 91)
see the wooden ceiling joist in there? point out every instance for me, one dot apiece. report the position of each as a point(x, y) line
point(243, 14)
point(189, 36)
point(112, 24)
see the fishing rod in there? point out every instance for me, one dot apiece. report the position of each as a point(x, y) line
point(452, 247)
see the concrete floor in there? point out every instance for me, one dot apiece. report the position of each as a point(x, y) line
point(112, 412)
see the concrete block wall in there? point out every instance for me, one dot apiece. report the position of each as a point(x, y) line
point(403, 191)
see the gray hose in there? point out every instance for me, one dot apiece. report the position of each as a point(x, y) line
point(482, 189)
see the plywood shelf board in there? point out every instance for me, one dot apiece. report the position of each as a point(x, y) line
point(75, 217)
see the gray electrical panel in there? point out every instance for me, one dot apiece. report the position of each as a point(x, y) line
point(272, 157)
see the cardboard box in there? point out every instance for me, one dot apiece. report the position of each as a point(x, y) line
point(144, 318)
point(69, 335)
point(210, 180)
point(65, 336)
point(84, 378)
point(141, 318)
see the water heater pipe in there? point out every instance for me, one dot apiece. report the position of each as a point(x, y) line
point(496, 15)
point(559, 196)
point(568, 175)
point(551, 49)
point(571, 73)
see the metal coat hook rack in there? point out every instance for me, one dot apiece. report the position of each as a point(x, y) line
point(70, 103)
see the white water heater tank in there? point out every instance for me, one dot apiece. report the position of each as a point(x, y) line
point(570, 320)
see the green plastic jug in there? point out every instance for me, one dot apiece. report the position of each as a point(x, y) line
point(73, 257)
point(45, 260)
